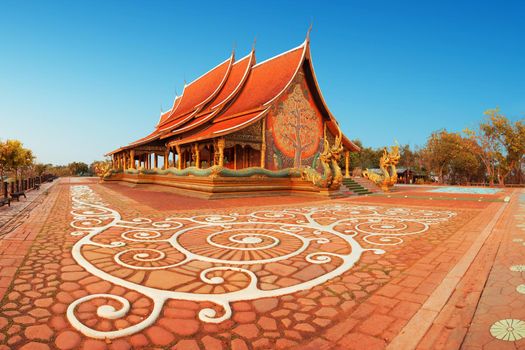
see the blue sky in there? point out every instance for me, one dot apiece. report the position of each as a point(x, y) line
point(80, 78)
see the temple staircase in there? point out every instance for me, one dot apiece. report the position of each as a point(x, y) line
point(358, 186)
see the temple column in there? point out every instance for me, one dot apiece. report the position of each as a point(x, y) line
point(234, 157)
point(125, 160)
point(263, 143)
point(166, 157)
point(347, 164)
point(179, 163)
point(132, 160)
point(220, 146)
point(156, 160)
point(197, 156)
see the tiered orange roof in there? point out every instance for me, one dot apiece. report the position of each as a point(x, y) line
point(231, 96)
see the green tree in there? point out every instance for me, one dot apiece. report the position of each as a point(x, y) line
point(15, 158)
point(501, 146)
point(450, 156)
point(78, 168)
point(40, 169)
point(408, 157)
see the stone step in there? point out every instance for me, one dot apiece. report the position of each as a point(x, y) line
point(354, 187)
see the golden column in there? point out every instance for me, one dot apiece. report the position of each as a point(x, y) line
point(263, 143)
point(197, 156)
point(347, 164)
point(132, 158)
point(220, 145)
point(179, 163)
point(156, 161)
point(166, 157)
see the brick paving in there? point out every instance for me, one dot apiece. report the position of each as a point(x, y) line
point(362, 306)
point(501, 297)
point(14, 215)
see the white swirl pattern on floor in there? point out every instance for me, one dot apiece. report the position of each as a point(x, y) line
point(230, 246)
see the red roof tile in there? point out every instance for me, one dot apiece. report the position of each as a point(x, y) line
point(239, 72)
point(201, 90)
point(224, 127)
point(232, 96)
point(267, 81)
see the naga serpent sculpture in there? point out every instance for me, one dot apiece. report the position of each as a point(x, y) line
point(332, 175)
point(387, 164)
point(103, 170)
point(323, 180)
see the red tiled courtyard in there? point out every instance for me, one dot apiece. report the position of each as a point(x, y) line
point(108, 266)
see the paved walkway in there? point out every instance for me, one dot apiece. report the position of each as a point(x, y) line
point(108, 267)
point(12, 216)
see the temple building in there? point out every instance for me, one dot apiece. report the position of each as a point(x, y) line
point(240, 115)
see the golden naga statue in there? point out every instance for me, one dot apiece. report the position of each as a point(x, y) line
point(103, 169)
point(335, 152)
point(387, 163)
point(332, 175)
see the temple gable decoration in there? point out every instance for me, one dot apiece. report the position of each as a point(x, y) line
point(296, 127)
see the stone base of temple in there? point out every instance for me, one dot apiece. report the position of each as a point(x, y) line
point(227, 187)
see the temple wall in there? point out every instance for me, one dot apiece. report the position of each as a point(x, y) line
point(294, 129)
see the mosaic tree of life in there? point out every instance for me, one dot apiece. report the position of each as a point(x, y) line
point(297, 127)
point(223, 258)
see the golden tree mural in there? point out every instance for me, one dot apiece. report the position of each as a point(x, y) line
point(297, 127)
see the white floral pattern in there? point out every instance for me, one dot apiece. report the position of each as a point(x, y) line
point(508, 329)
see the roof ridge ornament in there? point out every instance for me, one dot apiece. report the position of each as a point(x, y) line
point(254, 42)
point(309, 30)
